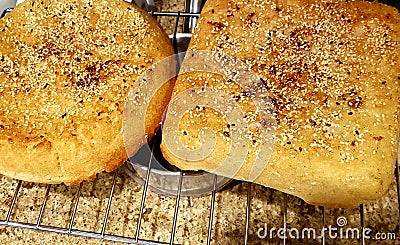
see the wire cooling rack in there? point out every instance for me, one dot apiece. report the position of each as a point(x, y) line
point(135, 238)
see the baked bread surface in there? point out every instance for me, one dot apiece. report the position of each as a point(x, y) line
point(66, 70)
point(332, 70)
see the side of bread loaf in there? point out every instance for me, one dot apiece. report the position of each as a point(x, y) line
point(332, 70)
point(66, 69)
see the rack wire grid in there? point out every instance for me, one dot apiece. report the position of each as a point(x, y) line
point(285, 211)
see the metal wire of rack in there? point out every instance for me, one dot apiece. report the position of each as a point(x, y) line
point(135, 239)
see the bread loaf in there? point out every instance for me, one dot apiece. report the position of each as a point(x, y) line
point(66, 70)
point(332, 71)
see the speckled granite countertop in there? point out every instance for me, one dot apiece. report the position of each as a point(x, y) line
point(192, 224)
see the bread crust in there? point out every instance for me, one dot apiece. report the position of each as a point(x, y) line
point(332, 70)
point(66, 70)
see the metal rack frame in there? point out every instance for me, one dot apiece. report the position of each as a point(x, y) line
point(135, 239)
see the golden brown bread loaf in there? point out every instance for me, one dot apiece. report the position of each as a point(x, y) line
point(66, 69)
point(333, 73)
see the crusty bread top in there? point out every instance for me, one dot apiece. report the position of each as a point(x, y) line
point(332, 70)
point(66, 69)
point(307, 46)
point(92, 51)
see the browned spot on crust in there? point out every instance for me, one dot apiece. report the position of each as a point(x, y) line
point(217, 25)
